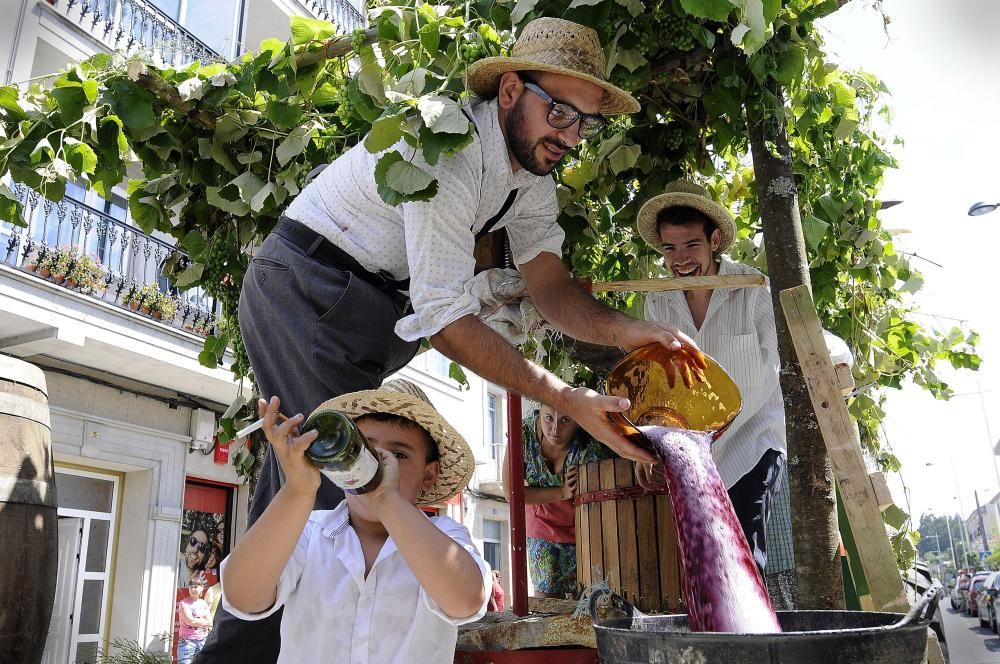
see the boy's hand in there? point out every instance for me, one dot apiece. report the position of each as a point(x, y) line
point(389, 485)
point(301, 476)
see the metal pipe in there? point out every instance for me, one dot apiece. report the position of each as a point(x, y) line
point(515, 469)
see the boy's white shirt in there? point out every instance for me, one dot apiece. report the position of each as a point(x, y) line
point(334, 614)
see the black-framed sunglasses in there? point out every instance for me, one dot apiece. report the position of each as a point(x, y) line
point(562, 115)
point(204, 547)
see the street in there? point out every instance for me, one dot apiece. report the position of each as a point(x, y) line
point(968, 643)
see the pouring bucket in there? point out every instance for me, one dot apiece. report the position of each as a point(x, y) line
point(650, 378)
point(817, 637)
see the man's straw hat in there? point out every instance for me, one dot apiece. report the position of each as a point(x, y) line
point(401, 397)
point(558, 46)
point(682, 193)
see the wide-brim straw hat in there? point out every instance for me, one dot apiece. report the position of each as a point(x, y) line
point(682, 193)
point(403, 398)
point(558, 46)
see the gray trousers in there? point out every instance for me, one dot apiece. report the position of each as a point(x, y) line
point(312, 332)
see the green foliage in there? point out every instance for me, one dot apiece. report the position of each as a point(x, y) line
point(224, 147)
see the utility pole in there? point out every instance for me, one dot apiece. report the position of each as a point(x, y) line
point(982, 523)
point(951, 540)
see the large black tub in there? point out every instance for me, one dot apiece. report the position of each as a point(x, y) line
point(809, 637)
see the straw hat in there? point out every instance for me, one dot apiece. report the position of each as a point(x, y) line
point(682, 193)
point(401, 397)
point(558, 46)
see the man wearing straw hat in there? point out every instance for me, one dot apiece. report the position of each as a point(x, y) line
point(736, 327)
point(374, 580)
point(338, 297)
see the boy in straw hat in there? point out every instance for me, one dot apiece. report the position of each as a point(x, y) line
point(736, 327)
point(374, 580)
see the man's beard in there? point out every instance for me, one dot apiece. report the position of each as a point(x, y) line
point(525, 150)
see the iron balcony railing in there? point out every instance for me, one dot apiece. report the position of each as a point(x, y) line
point(133, 25)
point(341, 13)
point(128, 259)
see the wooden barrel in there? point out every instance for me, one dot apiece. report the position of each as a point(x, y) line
point(28, 546)
point(625, 536)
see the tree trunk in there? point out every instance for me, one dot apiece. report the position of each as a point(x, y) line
point(819, 583)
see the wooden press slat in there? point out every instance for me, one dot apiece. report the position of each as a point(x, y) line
point(649, 578)
point(666, 540)
point(596, 547)
point(609, 519)
point(628, 553)
point(583, 579)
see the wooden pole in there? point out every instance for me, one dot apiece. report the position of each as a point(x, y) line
point(843, 444)
point(681, 283)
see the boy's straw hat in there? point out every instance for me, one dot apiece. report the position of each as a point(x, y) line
point(682, 193)
point(558, 46)
point(403, 398)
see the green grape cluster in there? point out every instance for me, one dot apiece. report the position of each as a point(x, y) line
point(345, 109)
point(358, 40)
point(673, 137)
point(220, 261)
point(471, 50)
point(678, 32)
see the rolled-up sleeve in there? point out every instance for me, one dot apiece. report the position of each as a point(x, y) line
point(534, 228)
point(439, 247)
point(460, 534)
point(287, 582)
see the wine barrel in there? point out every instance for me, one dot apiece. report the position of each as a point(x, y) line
point(28, 545)
point(625, 536)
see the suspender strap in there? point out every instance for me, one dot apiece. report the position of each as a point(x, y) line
point(498, 216)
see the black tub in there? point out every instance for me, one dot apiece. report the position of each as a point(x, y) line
point(809, 637)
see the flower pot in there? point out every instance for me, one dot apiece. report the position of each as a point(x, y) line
point(44, 271)
point(59, 278)
point(144, 310)
point(30, 267)
point(157, 315)
point(188, 327)
point(71, 283)
point(133, 305)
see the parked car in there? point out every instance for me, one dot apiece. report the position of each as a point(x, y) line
point(989, 593)
point(972, 607)
point(958, 592)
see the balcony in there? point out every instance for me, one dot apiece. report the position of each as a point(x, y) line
point(341, 13)
point(105, 324)
point(135, 25)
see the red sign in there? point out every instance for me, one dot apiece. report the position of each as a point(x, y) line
point(221, 452)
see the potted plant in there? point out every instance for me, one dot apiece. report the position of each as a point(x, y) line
point(31, 261)
point(44, 260)
point(60, 259)
point(165, 307)
point(148, 295)
point(87, 274)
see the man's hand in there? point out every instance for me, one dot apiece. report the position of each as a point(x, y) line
point(650, 476)
point(638, 333)
point(590, 410)
point(289, 447)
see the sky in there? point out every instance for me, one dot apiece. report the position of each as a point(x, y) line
point(941, 62)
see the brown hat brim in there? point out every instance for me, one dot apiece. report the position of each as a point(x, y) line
point(456, 458)
point(483, 78)
point(650, 210)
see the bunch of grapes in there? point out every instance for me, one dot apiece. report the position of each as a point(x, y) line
point(472, 49)
point(345, 109)
point(673, 137)
point(358, 40)
point(678, 32)
point(221, 262)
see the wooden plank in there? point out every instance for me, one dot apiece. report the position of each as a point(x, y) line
point(680, 283)
point(597, 572)
point(649, 576)
point(666, 544)
point(628, 552)
point(609, 525)
point(840, 433)
point(582, 533)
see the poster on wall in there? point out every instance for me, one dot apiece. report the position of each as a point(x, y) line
point(204, 543)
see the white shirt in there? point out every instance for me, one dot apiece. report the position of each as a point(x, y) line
point(738, 331)
point(334, 615)
point(431, 242)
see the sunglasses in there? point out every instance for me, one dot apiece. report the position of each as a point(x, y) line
point(204, 547)
point(562, 115)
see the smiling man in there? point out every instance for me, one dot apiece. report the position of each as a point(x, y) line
point(736, 327)
point(340, 294)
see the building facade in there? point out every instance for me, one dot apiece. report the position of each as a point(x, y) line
point(147, 498)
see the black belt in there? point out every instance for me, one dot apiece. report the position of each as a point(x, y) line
point(320, 248)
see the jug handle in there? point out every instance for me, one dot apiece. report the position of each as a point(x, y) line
point(616, 600)
point(924, 609)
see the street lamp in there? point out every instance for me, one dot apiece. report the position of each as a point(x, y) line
point(981, 208)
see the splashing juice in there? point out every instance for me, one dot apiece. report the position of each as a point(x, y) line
point(722, 586)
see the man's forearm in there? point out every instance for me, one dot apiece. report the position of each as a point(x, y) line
point(475, 346)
